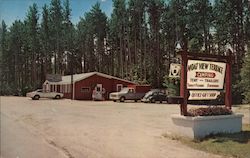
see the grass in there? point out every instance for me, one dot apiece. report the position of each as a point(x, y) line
point(234, 145)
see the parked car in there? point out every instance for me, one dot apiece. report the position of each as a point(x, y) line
point(39, 93)
point(154, 96)
point(132, 92)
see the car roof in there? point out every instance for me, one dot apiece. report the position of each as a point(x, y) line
point(155, 90)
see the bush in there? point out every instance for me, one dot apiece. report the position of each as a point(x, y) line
point(209, 111)
point(245, 73)
point(172, 85)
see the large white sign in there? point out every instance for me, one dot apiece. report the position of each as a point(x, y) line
point(205, 74)
point(203, 95)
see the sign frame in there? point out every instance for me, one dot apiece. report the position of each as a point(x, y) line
point(185, 56)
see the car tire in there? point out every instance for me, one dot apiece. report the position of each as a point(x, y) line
point(152, 100)
point(36, 97)
point(114, 100)
point(122, 99)
point(136, 100)
point(58, 97)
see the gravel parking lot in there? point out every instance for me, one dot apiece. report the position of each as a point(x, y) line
point(88, 129)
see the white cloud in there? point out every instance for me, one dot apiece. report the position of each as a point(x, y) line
point(103, 0)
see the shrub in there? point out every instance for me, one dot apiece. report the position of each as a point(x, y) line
point(209, 111)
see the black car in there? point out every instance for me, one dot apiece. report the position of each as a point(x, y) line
point(154, 96)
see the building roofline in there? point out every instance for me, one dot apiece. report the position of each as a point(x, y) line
point(85, 77)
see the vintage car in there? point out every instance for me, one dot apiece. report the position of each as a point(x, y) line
point(132, 92)
point(154, 96)
point(39, 93)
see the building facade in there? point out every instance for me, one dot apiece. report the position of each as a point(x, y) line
point(87, 84)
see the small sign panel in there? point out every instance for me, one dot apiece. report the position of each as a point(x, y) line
point(175, 70)
point(54, 77)
point(205, 74)
point(203, 95)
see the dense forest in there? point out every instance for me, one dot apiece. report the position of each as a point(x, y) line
point(137, 42)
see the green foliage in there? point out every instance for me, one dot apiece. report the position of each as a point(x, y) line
point(172, 85)
point(245, 75)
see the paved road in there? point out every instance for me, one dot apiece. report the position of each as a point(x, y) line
point(86, 129)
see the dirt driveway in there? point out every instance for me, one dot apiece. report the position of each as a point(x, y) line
point(86, 129)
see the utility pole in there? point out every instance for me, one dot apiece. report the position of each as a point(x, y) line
point(71, 72)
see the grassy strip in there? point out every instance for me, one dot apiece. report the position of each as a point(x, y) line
point(236, 145)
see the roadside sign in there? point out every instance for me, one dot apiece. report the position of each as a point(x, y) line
point(175, 70)
point(203, 95)
point(205, 74)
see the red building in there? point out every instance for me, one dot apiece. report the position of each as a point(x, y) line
point(84, 84)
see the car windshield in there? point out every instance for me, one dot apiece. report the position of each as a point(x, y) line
point(39, 90)
point(149, 93)
point(124, 90)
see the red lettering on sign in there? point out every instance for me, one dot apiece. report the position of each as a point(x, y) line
point(205, 75)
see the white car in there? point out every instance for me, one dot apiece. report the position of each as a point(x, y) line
point(36, 95)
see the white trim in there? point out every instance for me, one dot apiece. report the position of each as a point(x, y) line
point(67, 79)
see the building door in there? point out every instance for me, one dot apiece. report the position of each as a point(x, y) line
point(119, 87)
point(97, 94)
point(99, 88)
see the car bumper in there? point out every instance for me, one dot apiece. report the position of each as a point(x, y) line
point(112, 97)
point(145, 100)
point(29, 95)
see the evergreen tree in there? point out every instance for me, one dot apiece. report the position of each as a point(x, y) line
point(45, 40)
point(56, 23)
point(68, 38)
point(3, 57)
point(33, 43)
point(245, 75)
point(199, 25)
point(155, 10)
point(118, 35)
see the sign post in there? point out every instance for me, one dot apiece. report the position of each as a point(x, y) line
point(228, 96)
point(183, 83)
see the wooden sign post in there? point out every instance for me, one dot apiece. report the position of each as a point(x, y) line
point(183, 83)
point(185, 56)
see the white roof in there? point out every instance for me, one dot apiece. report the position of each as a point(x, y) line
point(78, 77)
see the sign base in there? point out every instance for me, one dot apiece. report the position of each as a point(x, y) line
point(201, 126)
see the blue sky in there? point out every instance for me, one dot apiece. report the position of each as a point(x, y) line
point(10, 10)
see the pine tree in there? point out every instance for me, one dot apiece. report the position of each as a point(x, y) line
point(245, 75)
point(45, 40)
point(99, 24)
point(56, 23)
point(155, 10)
point(68, 40)
point(200, 23)
point(33, 43)
point(117, 38)
point(3, 57)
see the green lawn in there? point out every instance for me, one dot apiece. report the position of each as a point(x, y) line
point(236, 145)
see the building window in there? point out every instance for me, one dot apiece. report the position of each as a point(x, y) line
point(85, 89)
point(69, 88)
point(62, 88)
point(66, 88)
